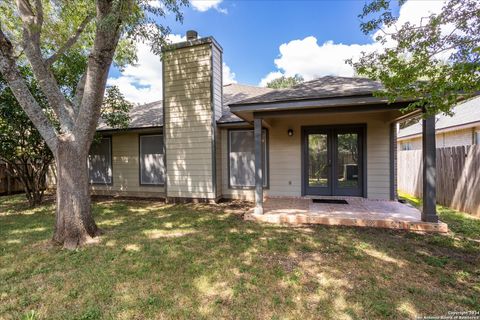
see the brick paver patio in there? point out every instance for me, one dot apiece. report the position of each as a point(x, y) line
point(358, 212)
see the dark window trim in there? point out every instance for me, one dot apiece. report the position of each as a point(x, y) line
point(266, 184)
point(140, 160)
point(362, 126)
point(109, 137)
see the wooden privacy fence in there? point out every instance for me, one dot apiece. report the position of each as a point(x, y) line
point(8, 184)
point(458, 176)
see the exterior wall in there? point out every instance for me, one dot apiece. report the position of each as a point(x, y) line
point(126, 170)
point(217, 82)
point(219, 158)
point(463, 137)
point(455, 138)
point(217, 87)
point(189, 111)
point(410, 144)
point(285, 155)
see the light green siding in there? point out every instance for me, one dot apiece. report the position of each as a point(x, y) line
point(126, 169)
point(189, 122)
point(285, 165)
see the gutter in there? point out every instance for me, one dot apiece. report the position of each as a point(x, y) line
point(467, 125)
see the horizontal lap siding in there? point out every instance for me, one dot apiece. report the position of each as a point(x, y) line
point(455, 138)
point(217, 82)
point(285, 155)
point(378, 160)
point(217, 106)
point(188, 122)
point(463, 137)
point(126, 169)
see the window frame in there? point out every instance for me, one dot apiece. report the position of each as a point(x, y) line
point(407, 146)
point(143, 184)
point(266, 180)
point(110, 146)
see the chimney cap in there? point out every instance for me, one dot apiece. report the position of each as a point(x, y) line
point(192, 35)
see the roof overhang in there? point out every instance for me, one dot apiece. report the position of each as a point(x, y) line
point(365, 103)
point(236, 124)
point(469, 125)
point(131, 130)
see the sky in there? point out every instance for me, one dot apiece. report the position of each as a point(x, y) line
point(265, 39)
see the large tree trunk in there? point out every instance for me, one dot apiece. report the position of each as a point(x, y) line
point(74, 223)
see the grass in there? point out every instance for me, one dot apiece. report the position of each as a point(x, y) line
point(158, 261)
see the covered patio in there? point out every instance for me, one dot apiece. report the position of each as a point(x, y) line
point(355, 212)
point(332, 138)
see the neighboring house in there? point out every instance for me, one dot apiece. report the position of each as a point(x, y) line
point(205, 141)
point(461, 129)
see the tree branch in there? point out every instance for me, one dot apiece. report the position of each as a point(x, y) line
point(9, 69)
point(46, 80)
point(79, 92)
point(39, 12)
point(70, 42)
point(99, 61)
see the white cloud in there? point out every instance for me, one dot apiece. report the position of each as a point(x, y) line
point(205, 5)
point(413, 12)
point(269, 77)
point(228, 75)
point(142, 82)
point(311, 60)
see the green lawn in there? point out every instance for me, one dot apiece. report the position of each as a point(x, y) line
point(159, 261)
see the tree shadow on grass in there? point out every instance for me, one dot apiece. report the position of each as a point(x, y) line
point(197, 261)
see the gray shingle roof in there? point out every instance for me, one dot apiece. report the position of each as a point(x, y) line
point(141, 116)
point(151, 114)
point(325, 87)
point(233, 93)
point(464, 113)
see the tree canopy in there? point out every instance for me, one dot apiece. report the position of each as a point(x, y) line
point(435, 62)
point(22, 146)
point(37, 34)
point(285, 82)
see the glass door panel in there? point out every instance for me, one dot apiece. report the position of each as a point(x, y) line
point(333, 160)
point(347, 160)
point(318, 162)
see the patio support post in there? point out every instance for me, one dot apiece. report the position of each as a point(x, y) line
point(257, 124)
point(429, 212)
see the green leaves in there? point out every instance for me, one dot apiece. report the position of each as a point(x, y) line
point(115, 109)
point(285, 82)
point(436, 62)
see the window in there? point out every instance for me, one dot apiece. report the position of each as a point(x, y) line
point(100, 162)
point(152, 169)
point(477, 137)
point(242, 158)
point(407, 146)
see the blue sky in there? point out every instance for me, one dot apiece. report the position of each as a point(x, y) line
point(266, 39)
point(252, 31)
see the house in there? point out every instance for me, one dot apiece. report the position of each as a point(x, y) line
point(461, 129)
point(330, 137)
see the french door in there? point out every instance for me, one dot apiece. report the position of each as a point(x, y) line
point(333, 160)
